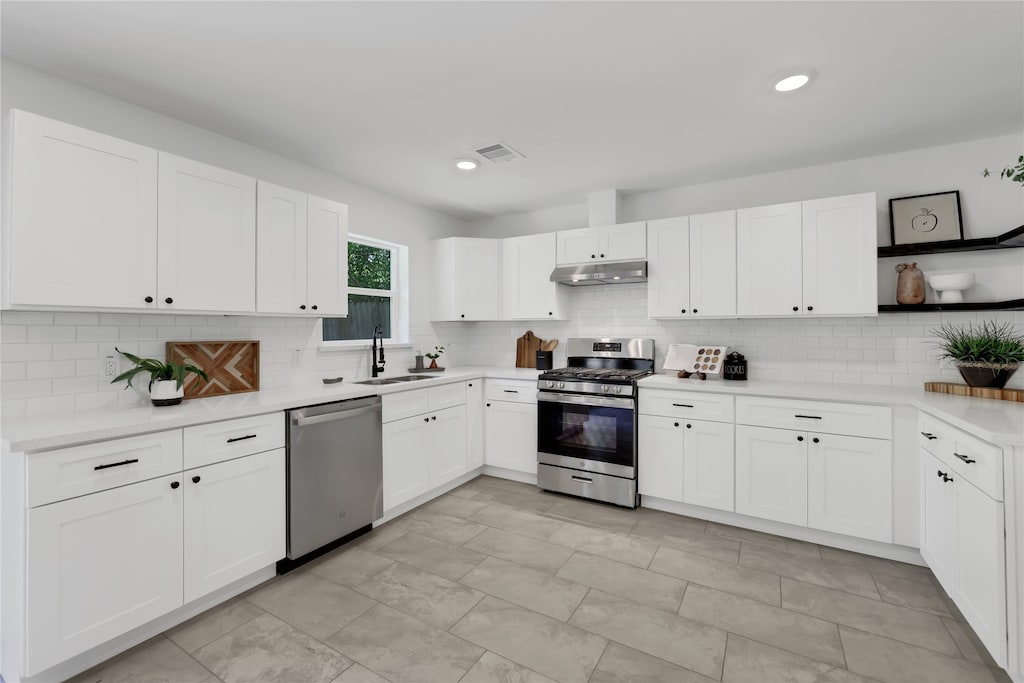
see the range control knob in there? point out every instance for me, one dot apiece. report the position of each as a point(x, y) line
point(551, 385)
point(618, 390)
point(561, 385)
point(605, 388)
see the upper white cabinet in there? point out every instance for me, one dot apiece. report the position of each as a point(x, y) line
point(623, 242)
point(467, 273)
point(840, 254)
point(691, 266)
point(82, 229)
point(301, 253)
point(815, 257)
point(527, 290)
point(206, 222)
point(769, 264)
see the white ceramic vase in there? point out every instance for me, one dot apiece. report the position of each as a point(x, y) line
point(166, 392)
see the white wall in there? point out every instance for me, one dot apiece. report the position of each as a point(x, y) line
point(50, 362)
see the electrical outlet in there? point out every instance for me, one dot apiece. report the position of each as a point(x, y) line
point(109, 366)
point(297, 358)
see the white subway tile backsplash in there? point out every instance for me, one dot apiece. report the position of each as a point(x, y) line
point(27, 318)
point(51, 368)
point(27, 388)
point(75, 385)
point(77, 350)
point(26, 352)
point(97, 333)
point(11, 334)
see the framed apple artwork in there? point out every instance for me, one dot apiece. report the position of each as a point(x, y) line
point(926, 218)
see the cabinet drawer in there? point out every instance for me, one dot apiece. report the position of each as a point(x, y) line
point(934, 436)
point(850, 419)
point(217, 441)
point(699, 406)
point(978, 462)
point(519, 391)
point(69, 472)
point(447, 396)
point(405, 404)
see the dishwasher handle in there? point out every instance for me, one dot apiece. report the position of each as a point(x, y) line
point(302, 421)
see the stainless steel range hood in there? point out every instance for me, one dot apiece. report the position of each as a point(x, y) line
point(623, 272)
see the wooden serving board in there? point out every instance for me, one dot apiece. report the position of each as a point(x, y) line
point(233, 366)
point(526, 350)
point(978, 392)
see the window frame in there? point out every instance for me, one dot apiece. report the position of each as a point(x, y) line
point(398, 294)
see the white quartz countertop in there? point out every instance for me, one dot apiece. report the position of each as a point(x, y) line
point(35, 434)
point(1000, 422)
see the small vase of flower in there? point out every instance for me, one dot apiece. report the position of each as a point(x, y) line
point(438, 350)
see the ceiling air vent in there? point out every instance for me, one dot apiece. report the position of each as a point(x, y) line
point(499, 153)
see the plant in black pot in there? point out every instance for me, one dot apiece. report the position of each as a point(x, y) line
point(166, 380)
point(987, 354)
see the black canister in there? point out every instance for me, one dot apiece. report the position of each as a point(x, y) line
point(544, 359)
point(735, 366)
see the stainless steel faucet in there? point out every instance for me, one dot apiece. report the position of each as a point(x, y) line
point(378, 335)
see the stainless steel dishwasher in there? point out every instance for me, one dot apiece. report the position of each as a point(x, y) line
point(335, 475)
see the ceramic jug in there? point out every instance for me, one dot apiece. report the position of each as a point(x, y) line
point(910, 286)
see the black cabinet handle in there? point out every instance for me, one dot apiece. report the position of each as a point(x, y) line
point(682, 405)
point(175, 484)
point(676, 424)
point(809, 417)
point(943, 476)
point(930, 437)
point(470, 384)
point(116, 464)
point(799, 438)
point(965, 458)
point(195, 479)
point(602, 255)
point(511, 391)
point(426, 419)
point(810, 308)
point(241, 438)
point(551, 313)
point(593, 256)
point(815, 440)
point(148, 299)
point(302, 307)
point(682, 310)
point(462, 315)
point(695, 310)
point(689, 426)
point(433, 417)
point(168, 300)
point(314, 307)
point(796, 308)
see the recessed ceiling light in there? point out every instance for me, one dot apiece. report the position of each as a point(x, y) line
point(793, 82)
point(465, 164)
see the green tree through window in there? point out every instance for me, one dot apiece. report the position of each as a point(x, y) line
point(371, 297)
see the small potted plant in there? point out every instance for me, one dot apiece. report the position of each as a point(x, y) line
point(166, 380)
point(987, 355)
point(438, 350)
point(1014, 173)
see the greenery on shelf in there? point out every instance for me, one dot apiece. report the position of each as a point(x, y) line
point(438, 350)
point(986, 343)
point(1014, 173)
point(157, 370)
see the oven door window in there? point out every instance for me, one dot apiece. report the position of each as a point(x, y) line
point(588, 432)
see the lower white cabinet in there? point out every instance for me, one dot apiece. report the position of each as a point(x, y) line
point(233, 522)
point(100, 565)
point(771, 474)
point(688, 461)
point(849, 485)
point(423, 452)
point(510, 435)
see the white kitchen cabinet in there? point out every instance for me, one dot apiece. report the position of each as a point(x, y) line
point(938, 527)
point(233, 523)
point(467, 273)
point(82, 229)
point(526, 288)
point(474, 424)
point(769, 264)
point(510, 435)
point(771, 474)
point(206, 227)
point(849, 486)
point(708, 464)
point(406, 462)
point(623, 242)
point(840, 255)
point(447, 446)
point(692, 266)
point(302, 253)
point(100, 565)
point(660, 457)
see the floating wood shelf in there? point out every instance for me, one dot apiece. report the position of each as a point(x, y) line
point(1008, 240)
point(1011, 305)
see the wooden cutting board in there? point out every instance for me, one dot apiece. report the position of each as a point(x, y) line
point(978, 392)
point(526, 350)
point(233, 366)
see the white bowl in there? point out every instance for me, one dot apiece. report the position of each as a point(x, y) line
point(949, 285)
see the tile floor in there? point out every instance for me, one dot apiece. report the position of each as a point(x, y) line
point(498, 582)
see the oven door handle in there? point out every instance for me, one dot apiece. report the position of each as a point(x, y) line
point(588, 400)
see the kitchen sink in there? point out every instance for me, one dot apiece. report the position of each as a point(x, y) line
point(409, 378)
point(376, 382)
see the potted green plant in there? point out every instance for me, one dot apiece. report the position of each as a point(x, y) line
point(166, 380)
point(1014, 173)
point(987, 355)
point(438, 350)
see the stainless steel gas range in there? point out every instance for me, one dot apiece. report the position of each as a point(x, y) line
point(586, 420)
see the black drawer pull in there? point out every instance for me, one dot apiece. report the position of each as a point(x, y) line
point(809, 417)
point(241, 438)
point(116, 464)
point(930, 437)
point(682, 405)
point(175, 484)
point(965, 458)
point(511, 391)
point(195, 479)
point(943, 476)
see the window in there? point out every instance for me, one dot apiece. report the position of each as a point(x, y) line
point(374, 294)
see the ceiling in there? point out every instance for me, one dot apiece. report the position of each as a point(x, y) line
point(628, 95)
